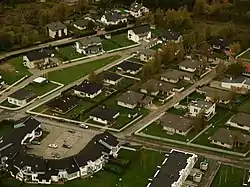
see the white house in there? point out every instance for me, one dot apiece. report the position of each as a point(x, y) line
point(89, 45)
point(146, 55)
point(113, 18)
point(104, 115)
point(190, 65)
point(110, 78)
point(170, 35)
point(237, 83)
point(196, 107)
point(81, 24)
point(57, 30)
point(174, 169)
point(21, 97)
point(137, 9)
point(129, 67)
point(87, 89)
point(139, 33)
point(240, 120)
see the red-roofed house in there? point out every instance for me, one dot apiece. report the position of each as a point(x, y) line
point(247, 70)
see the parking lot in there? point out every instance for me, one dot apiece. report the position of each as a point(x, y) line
point(68, 142)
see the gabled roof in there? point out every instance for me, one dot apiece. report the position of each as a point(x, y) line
point(110, 76)
point(22, 94)
point(88, 87)
point(37, 55)
point(56, 26)
point(135, 6)
point(113, 16)
point(190, 63)
point(143, 29)
point(104, 113)
point(128, 65)
point(89, 41)
point(82, 22)
point(168, 34)
point(153, 85)
point(217, 93)
point(175, 74)
point(131, 97)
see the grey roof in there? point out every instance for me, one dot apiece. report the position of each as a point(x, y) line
point(22, 94)
point(168, 35)
point(113, 16)
point(146, 100)
point(216, 93)
point(82, 22)
point(37, 55)
point(147, 52)
point(201, 104)
point(239, 79)
point(169, 172)
point(104, 113)
point(56, 26)
point(190, 63)
point(241, 119)
point(63, 104)
point(153, 85)
point(131, 97)
point(177, 122)
point(143, 29)
point(175, 74)
point(135, 6)
point(89, 41)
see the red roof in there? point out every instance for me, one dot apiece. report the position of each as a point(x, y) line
point(247, 67)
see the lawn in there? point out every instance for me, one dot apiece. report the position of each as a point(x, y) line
point(176, 111)
point(12, 70)
point(156, 47)
point(73, 73)
point(121, 40)
point(109, 45)
point(192, 97)
point(5, 128)
point(246, 55)
point(143, 166)
point(40, 89)
point(244, 107)
point(229, 176)
point(68, 53)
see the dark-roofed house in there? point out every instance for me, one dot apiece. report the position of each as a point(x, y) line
point(63, 104)
point(142, 32)
point(137, 9)
point(170, 35)
point(132, 99)
point(241, 83)
point(155, 87)
point(175, 124)
point(219, 43)
point(88, 89)
point(214, 94)
point(32, 59)
point(241, 121)
point(190, 65)
point(146, 55)
point(21, 97)
point(174, 169)
point(129, 67)
point(89, 45)
point(57, 29)
point(81, 24)
point(104, 115)
point(228, 138)
point(174, 76)
point(196, 107)
point(113, 18)
point(111, 78)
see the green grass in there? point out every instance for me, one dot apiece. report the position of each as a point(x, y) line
point(244, 107)
point(121, 40)
point(180, 112)
point(246, 55)
point(229, 176)
point(40, 89)
point(68, 53)
point(109, 45)
point(156, 47)
point(193, 96)
point(73, 73)
point(7, 104)
point(143, 166)
point(12, 70)
point(5, 129)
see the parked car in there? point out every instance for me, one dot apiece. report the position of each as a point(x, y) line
point(53, 146)
point(71, 131)
point(66, 146)
point(84, 126)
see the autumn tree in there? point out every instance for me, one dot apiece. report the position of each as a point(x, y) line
point(236, 69)
point(199, 122)
point(159, 17)
point(180, 52)
point(235, 47)
point(220, 69)
point(158, 60)
point(199, 7)
point(168, 52)
point(148, 18)
point(92, 77)
point(81, 6)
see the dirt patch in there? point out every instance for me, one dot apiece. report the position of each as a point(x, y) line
point(6, 67)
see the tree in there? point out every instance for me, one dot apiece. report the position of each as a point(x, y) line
point(158, 60)
point(168, 52)
point(148, 18)
point(91, 25)
point(235, 47)
point(92, 77)
point(189, 41)
point(104, 4)
point(199, 122)
point(148, 69)
point(81, 6)
point(220, 69)
point(159, 17)
point(43, 18)
point(199, 7)
point(236, 69)
point(180, 52)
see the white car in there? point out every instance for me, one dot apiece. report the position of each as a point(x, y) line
point(84, 126)
point(53, 146)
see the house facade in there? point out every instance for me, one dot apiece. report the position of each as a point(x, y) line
point(113, 18)
point(87, 89)
point(56, 30)
point(35, 59)
point(200, 106)
point(89, 45)
point(137, 9)
point(21, 97)
point(240, 121)
point(139, 33)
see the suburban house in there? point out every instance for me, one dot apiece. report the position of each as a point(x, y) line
point(241, 121)
point(88, 89)
point(174, 76)
point(228, 138)
point(132, 99)
point(155, 87)
point(219, 43)
point(238, 83)
point(33, 169)
point(113, 18)
point(137, 9)
point(2, 82)
point(190, 65)
point(81, 24)
point(21, 97)
point(175, 124)
point(174, 169)
point(146, 55)
point(206, 52)
point(110, 78)
point(37, 58)
point(216, 95)
point(129, 67)
point(142, 32)
point(89, 45)
point(104, 115)
point(170, 35)
point(63, 104)
point(201, 106)
point(57, 29)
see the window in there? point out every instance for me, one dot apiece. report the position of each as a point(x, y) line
point(195, 110)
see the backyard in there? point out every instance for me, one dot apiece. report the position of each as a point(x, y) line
point(67, 53)
point(143, 165)
point(41, 89)
point(245, 55)
point(229, 176)
point(12, 70)
point(244, 107)
point(73, 73)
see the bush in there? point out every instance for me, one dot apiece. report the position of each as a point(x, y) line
point(113, 169)
point(121, 162)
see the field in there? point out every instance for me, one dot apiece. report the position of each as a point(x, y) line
point(68, 53)
point(40, 89)
point(73, 73)
point(229, 176)
point(143, 166)
point(12, 70)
